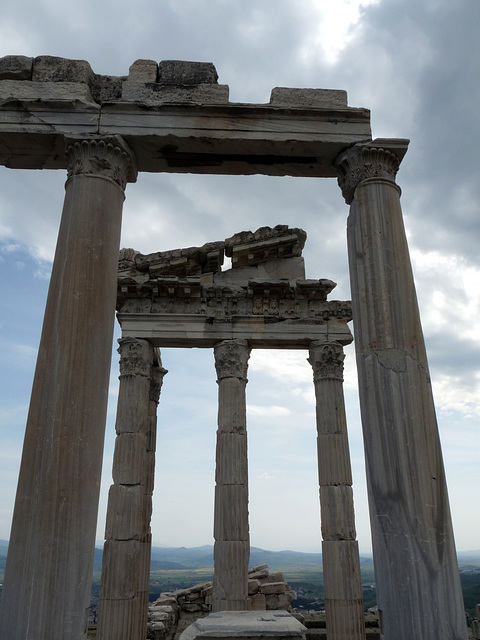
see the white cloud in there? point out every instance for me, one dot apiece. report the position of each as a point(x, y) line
point(271, 412)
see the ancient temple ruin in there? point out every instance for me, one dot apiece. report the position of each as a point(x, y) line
point(175, 117)
point(182, 298)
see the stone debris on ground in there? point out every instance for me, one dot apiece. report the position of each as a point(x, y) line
point(173, 611)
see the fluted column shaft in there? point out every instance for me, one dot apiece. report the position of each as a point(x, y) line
point(341, 561)
point(231, 530)
point(125, 585)
point(418, 587)
point(48, 575)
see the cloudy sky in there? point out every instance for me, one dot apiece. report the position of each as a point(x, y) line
point(415, 65)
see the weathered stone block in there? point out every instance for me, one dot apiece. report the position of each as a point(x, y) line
point(309, 98)
point(178, 72)
point(258, 602)
point(345, 619)
point(71, 94)
point(231, 570)
point(232, 414)
point(231, 513)
point(259, 573)
point(120, 576)
point(246, 625)
point(339, 583)
point(143, 71)
point(278, 601)
point(166, 600)
point(128, 514)
point(130, 459)
point(333, 453)
point(270, 588)
point(253, 587)
point(122, 619)
point(231, 459)
point(133, 405)
point(153, 94)
point(338, 522)
point(276, 576)
point(55, 69)
point(190, 607)
point(107, 88)
point(16, 68)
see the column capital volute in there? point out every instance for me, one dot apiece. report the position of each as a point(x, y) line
point(158, 373)
point(375, 160)
point(231, 359)
point(136, 357)
point(101, 156)
point(326, 359)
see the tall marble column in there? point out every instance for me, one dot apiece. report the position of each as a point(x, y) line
point(341, 560)
point(231, 531)
point(418, 587)
point(126, 555)
point(48, 575)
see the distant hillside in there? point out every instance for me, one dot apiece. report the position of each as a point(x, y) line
point(184, 558)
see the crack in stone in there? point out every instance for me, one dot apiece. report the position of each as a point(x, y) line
point(394, 359)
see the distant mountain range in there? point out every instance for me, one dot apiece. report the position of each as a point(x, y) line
point(170, 558)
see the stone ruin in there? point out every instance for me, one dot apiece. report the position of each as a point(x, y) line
point(175, 117)
point(174, 611)
point(183, 298)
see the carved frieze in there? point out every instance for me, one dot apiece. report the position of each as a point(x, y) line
point(273, 300)
point(136, 357)
point(327, 360)
point(269, 305)
point(231, 359)
point(363, 162)
point(107, 157)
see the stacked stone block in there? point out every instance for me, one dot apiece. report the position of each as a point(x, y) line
point(173, 611)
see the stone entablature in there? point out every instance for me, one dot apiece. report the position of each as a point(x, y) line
point(203, 309)
point(174, 116)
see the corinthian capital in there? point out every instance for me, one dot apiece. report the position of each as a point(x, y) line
point(136, 357)
point(104, 156)
point(158, 373)
point(379, 159)
point(326, 359)
point(231, 359)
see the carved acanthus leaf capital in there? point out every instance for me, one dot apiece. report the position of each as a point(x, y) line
point(231, 359)
point(326, 359)
point(103, 156)
point(136, 357)
point(368, 161)
point(158, 373)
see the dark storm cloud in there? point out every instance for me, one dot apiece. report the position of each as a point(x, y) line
point(419, 64)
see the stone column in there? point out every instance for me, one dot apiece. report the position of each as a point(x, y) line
point(49, 568)
point(126, 554)
point(341, 561)
point(231, 532)
point(418, 586)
